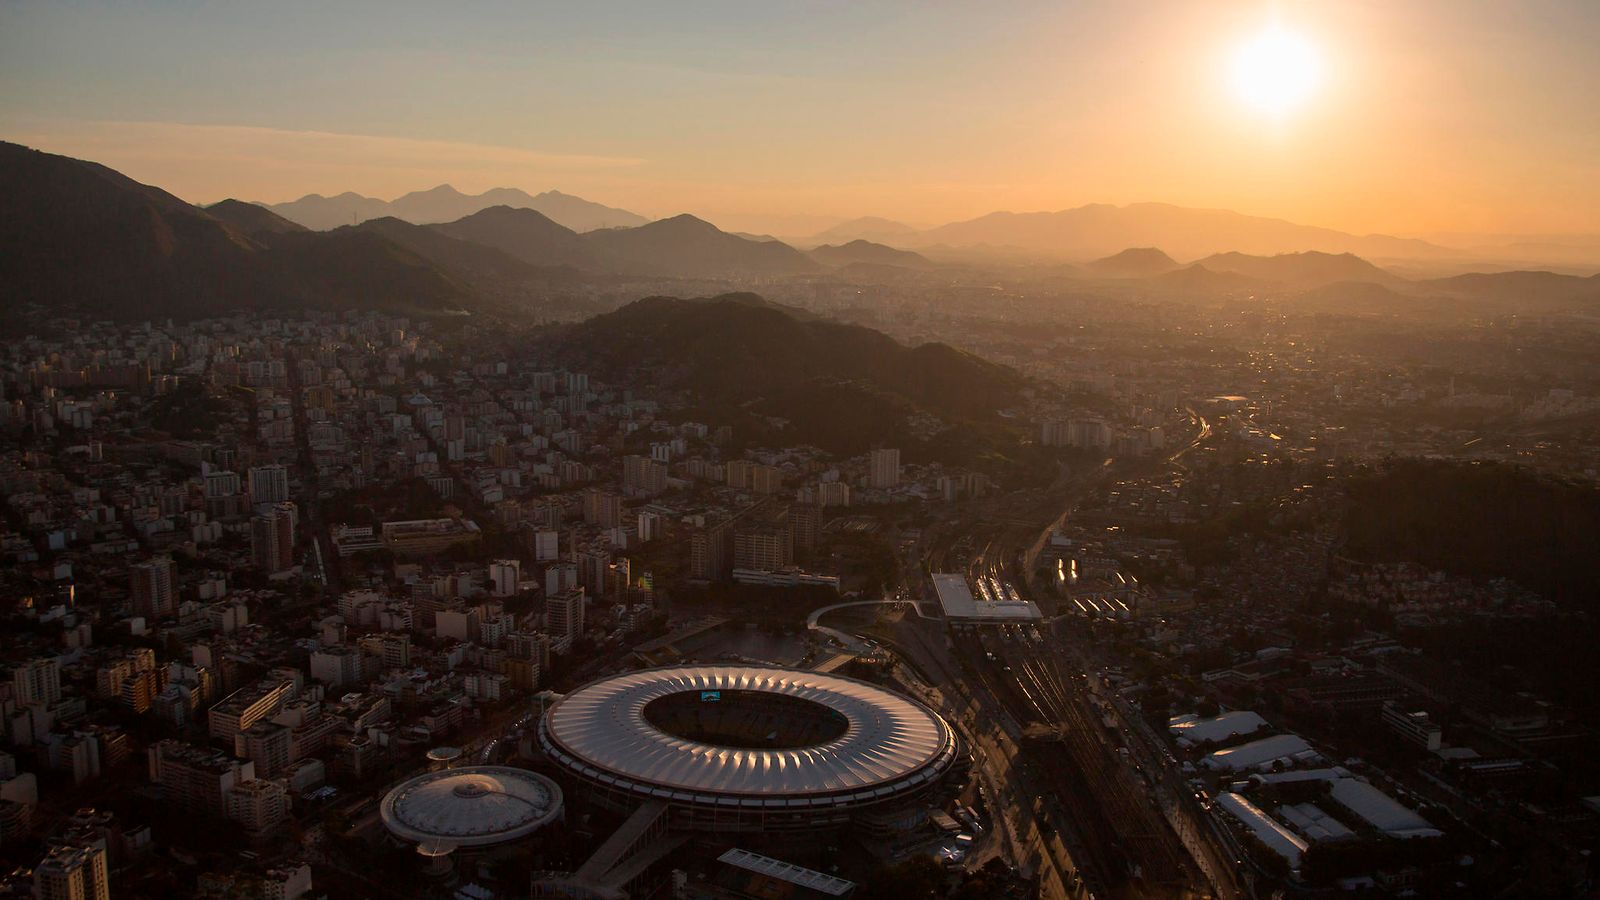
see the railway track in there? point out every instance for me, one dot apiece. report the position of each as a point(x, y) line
point(1127, 848)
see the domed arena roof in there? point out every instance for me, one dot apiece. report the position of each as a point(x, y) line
point(747, 735)
point(472, 806)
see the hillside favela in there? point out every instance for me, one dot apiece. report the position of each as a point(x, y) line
point(1073, 450)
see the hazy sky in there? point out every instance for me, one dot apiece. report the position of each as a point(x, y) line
point(1429, 115)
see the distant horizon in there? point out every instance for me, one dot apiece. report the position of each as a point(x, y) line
point(1415, 119)
point(919, 226)
point(819, 221)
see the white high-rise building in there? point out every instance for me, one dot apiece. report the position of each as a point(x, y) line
point(37, 681)
point(885, 468)
point(504, 575)
point(150, 583)
point(564, 611)
point(73, 873)
point(546, 546)
point(260, 805)
point(222, 484)
point(269, 484)
point(272, 538)
point(336, 666)
point(560, 577)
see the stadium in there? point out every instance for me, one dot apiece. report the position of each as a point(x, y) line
point(737, 748)
point(470, 807)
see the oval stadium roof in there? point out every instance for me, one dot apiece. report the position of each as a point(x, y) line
point(890, 742)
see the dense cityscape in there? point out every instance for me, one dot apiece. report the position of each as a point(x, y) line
point(504, 545)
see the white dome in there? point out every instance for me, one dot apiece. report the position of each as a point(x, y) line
point(471, 806)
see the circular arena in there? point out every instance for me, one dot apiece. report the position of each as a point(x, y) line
point(473, 806)
point(739, 748)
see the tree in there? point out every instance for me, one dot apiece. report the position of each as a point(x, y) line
point(914, 879)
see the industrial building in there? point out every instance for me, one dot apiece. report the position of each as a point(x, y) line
point(994, 604)
point(1290, 748)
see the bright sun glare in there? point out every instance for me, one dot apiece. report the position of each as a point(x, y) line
point(1276, 71)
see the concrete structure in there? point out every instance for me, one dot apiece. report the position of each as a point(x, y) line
point(1380, 810)
point(786, 578)
point(269, 484)
point(272, 536)
point(1268, 830)
point(196, 780)
point(1413, 726)
point(565, 614)
point(775, 878)
point(1264, 752)
point(504, 575)
point(962, 608)
point(1189, 730)
point(150, 583)
point(419, 537)
point(885, 468)
point(73, 873)
point(471, 806)
point(246, 706)
point(38, 681)
point(833, 493)
point(260, 805)
point(749, 748)
point(546, 546)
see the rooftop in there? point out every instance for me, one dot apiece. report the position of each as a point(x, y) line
point(831, 737)
point(955, 596)
point(789, 872)
point(471, 806)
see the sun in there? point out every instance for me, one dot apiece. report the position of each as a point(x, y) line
point(1276, 71)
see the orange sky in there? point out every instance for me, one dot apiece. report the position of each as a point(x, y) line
point(1430, 116)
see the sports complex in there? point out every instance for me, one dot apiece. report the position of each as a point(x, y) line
point(744, 748)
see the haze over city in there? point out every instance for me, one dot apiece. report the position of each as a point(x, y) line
point(1085, 450)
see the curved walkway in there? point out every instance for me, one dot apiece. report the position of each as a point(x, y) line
point(850, 641)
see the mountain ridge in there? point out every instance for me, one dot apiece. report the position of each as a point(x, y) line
point(79, 236)
point(1099, 229)
point(443, 203)
point(686, 246)
point(834, 381)
point(525, 234)
point(864, 252)
point(1134, 262)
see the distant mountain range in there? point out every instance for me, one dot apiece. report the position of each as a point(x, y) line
point(1344, 283)
point(867, 228)
point(446, 204)
point(867, 253)
point(1088, 232)
point(1097, 230)
point(1309, 269)
point(1134, 262)
point(78, 235)
point(684, 246)
point(525, 234)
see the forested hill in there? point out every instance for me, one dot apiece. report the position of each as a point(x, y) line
point(1484, 520)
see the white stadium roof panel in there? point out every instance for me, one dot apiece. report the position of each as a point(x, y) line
point(885, 739)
